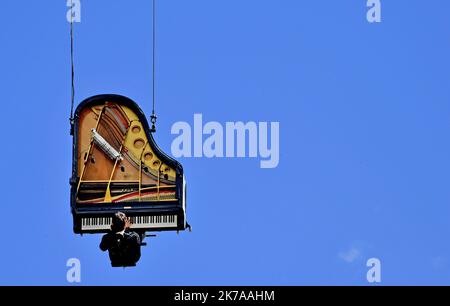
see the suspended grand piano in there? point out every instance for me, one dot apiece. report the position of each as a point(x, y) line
point(117, 166)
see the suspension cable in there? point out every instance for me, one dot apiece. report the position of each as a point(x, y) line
point(73, 69)
point(153, 116)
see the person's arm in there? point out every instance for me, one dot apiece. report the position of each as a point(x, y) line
point(136, 247)
point(138, 239)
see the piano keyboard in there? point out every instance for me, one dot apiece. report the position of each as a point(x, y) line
point(139, 222)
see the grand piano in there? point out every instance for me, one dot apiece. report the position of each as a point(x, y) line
point(117, 166)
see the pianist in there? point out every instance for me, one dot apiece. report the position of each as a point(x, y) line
point(123, 245)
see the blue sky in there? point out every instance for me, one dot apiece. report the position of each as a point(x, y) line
point(364, 118)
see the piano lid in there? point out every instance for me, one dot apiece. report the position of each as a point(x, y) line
point(116, 159)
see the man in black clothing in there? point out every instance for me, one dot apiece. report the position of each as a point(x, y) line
point(124, 246)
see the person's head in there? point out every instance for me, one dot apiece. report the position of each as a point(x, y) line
point(119, 221)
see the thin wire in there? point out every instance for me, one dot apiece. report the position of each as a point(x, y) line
point(72, 63)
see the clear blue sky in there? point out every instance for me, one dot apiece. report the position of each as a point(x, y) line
point(364, 112)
